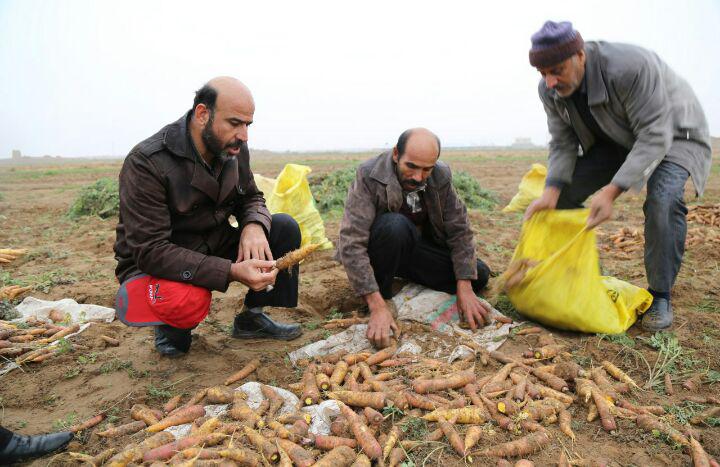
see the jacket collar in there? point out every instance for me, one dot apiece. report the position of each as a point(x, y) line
point(176, 138)
point(595, 85)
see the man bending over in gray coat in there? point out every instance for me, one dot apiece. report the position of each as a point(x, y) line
point(620, 118)
point(403, 219)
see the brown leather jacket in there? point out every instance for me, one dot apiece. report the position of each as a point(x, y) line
point(376, 191)
point(174, 214)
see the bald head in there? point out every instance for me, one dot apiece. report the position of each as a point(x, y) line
point(222, 111)
point(418, 140)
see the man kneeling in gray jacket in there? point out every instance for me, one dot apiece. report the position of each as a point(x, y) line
point(636, 122)
point(403, 219)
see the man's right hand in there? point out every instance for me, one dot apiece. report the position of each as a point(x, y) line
point(548, 200)
point(250, 272)
point(381, 322)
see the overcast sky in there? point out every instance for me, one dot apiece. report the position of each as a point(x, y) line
point(82, 78)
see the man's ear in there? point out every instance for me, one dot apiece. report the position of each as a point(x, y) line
point(201, 113)
point(395, 154)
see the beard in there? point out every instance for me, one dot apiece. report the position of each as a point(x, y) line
point(213, 144)
point(408, 184)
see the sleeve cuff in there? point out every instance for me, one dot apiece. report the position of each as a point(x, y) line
point(555, 183)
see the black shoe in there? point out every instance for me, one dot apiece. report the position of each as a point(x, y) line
point(172, 342)
point(251, 324)
point(29, 447)
point(659, 316)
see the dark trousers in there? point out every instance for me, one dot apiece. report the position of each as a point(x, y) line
point(284, 237)
point(396, 249)
point(5, 436)
point(664, 209)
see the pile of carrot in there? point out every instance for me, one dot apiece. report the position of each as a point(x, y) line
point(29, 342)
point(525, 396)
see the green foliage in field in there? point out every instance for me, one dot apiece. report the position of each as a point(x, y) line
point(99, 199)
point(473, 195)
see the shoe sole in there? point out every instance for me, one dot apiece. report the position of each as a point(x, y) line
point(255, 335)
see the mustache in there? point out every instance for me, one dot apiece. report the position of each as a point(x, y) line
point(235, 145)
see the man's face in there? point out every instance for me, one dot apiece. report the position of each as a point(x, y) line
point(415, 166)
point(227, 127)
point(566, 76)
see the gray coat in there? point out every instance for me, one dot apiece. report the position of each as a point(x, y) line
point(641, 104)
point(375, 191)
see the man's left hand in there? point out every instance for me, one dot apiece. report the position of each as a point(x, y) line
point(254, 244)
point(601, 206)
point(476, 313)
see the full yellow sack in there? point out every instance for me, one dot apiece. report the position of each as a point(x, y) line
point(290, 193)
point(565, 290)
point(530, 188)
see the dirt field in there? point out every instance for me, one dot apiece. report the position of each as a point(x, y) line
point(74, 258)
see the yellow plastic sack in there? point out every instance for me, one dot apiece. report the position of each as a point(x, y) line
point(565, 290)
point(290, 193)
point(530, 188)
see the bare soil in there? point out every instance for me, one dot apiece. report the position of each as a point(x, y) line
point(74, 258)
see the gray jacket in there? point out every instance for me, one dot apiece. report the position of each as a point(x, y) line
point(375, 191)
point(641, 104)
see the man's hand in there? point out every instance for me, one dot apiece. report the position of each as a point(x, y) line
point(381, 321)
point(476, 312)
point(601, 206)
point(254, 243)
point(252, 272)
point(548, 200)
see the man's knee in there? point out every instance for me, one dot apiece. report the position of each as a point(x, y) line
point(286, 228)
point(660, 206)
point(392, 228)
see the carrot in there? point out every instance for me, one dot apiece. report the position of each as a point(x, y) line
point(290, 418)
point(262, 444)
point(698, 454)
point(691, 384)
point(276, 401)
point(322, 381)
point(327, 443)
point(22, 338)
point(375, 400)
point(280, 430)
point(262, 408)
point(338, 374)
point(547, 351)
point(285, 460)
point(373, 416)
point(452, 436)
point(453, 381)
point(618, 374)
point(502, 421)
point(361, 461)
point(435, 435)
point(299, 456)
point(524, 463)
point(365, 439)
point(520, 389)
point(244, 372)
point(549, 392)
point(603, 407)
point(650, 422)
point(528, 444)
point(219, 395)
point(472, 436)
point(339, 426)
point(592, 413)
point(240, 411)
point(311, 393)
point(208, 426)
point(89, 423)
point(167, 451)
point(344, 322)
point(341, 456)
point(180, 417)
point(102, 457)
point(293, 257)
point(171, 404)
point(553, 381)
point(502, 374)
point(701, 418)
point(243, 456)
point(563, 460)
point(59, 335)
point(416, 400)
point(201, 453)
point(122, 430)
point(668, 385)
point(381, 356)
point(466, 415)
point(134, 453)
point(144, 413)
point(397, 362)
point(365, 371)
point(300, 428)
point(334, 357)
point(566, 424)
point(530, 330)
point(112, 342)
point(354, 358)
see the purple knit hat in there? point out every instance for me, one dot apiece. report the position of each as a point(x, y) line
point(553, 43)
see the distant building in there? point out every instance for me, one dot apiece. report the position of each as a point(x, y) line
point(16, 154)
point(523, 143)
